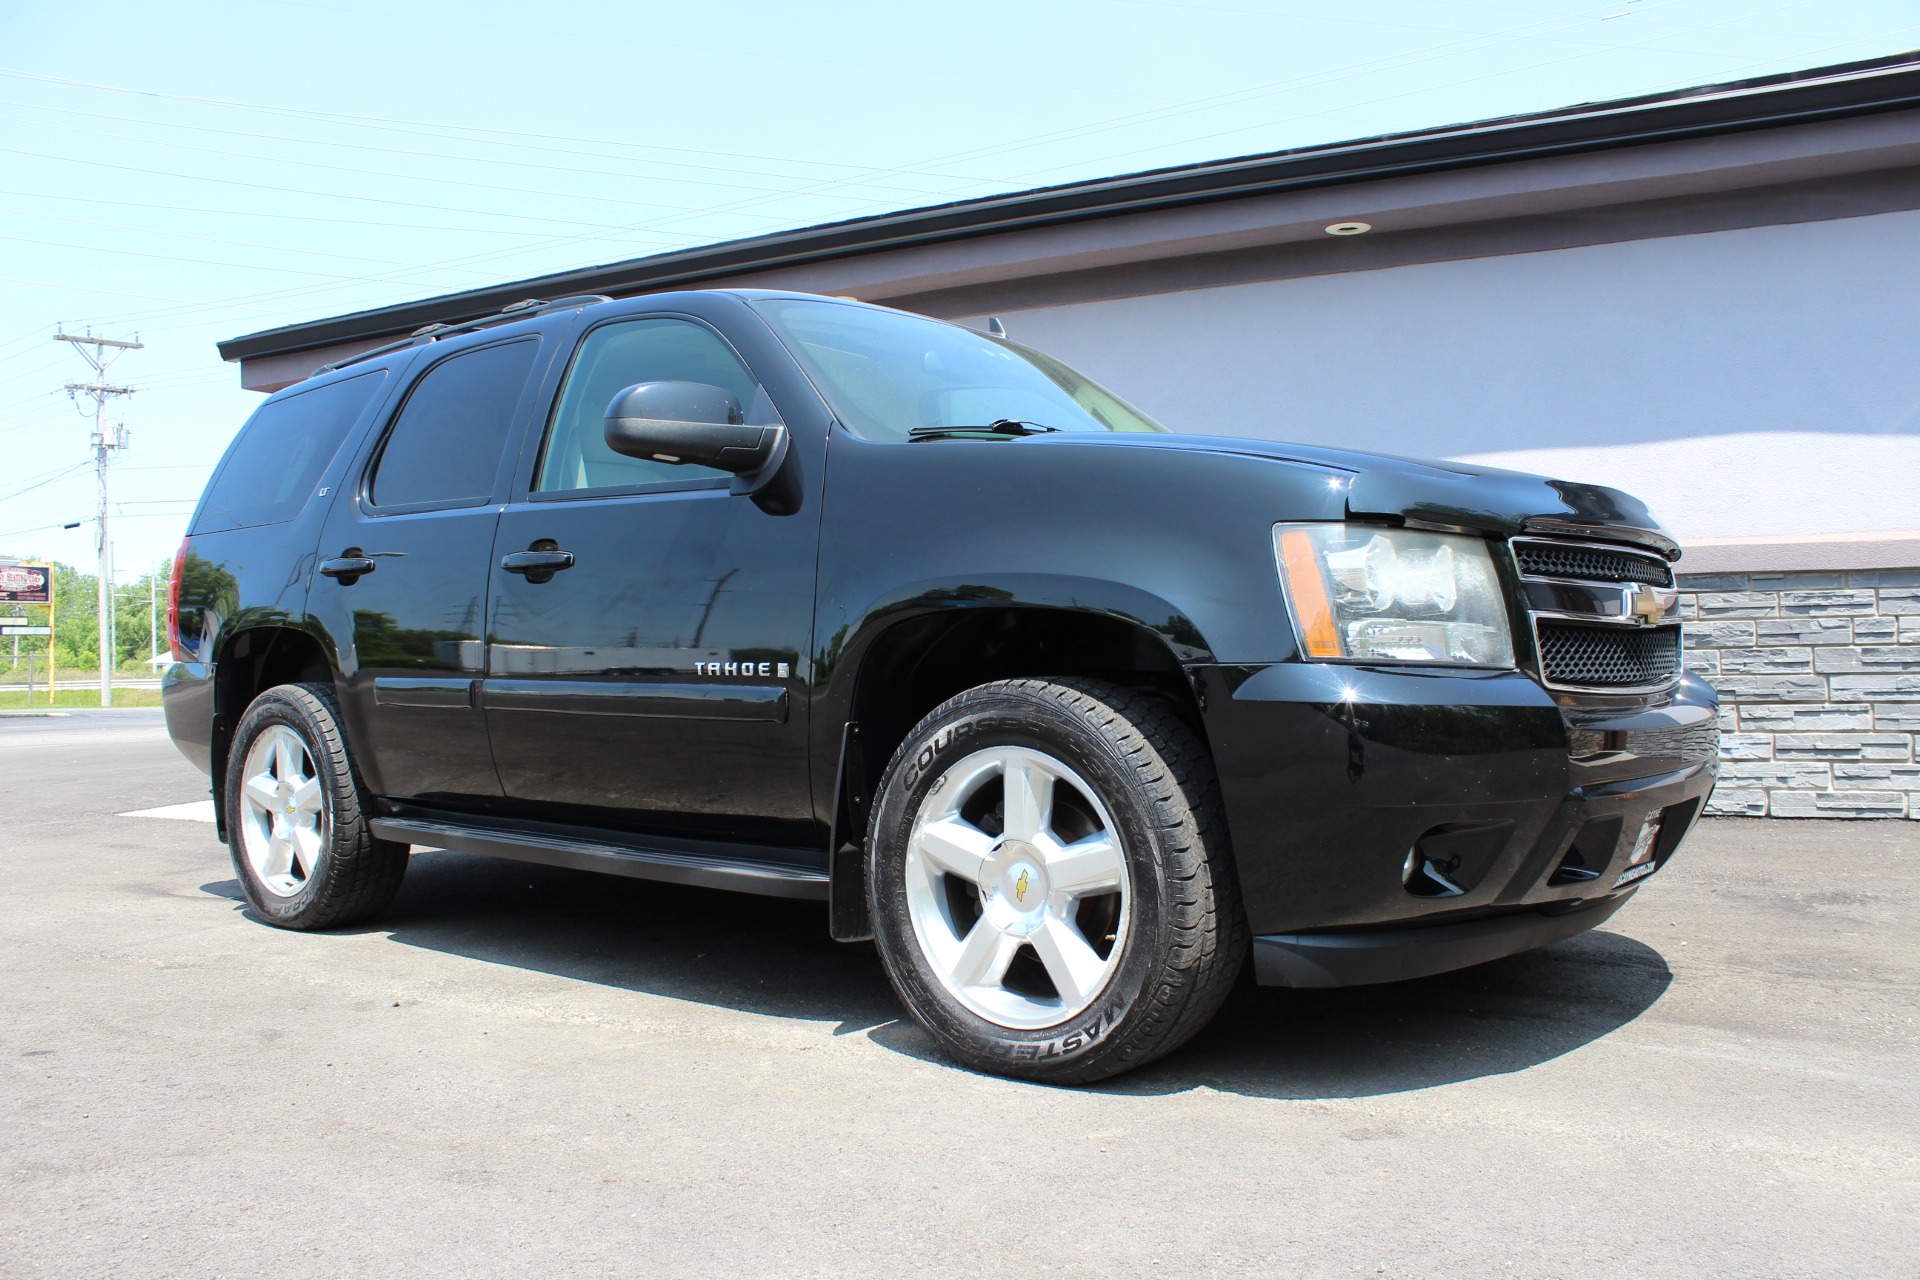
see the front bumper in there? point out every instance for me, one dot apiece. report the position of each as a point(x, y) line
point(1391, 955)
point(1527, 810)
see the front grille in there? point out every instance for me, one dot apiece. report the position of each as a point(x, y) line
point(1590, 564)
point(1575, 655)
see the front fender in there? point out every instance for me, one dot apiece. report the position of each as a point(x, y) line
point(1118, 600)
point(1175, 542)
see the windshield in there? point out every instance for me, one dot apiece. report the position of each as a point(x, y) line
point(887, 373)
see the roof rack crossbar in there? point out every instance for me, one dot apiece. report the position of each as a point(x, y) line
point(524, 309)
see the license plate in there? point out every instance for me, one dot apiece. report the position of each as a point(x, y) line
point(1640, 863)
point(1631, 874)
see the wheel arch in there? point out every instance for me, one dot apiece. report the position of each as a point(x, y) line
point(913, 658)
point(249, 662)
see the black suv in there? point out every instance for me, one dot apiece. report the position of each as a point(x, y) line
point(798, 596)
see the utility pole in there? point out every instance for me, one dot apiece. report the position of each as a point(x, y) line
point(105, 352)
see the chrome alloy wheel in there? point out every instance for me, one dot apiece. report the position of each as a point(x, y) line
point(1017, 887)
point(284, 819)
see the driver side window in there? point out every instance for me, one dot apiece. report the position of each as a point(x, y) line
point(614, 357)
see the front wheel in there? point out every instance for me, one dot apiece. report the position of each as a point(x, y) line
point(296, 818)
point(1051, 886)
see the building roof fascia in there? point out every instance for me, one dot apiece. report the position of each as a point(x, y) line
point(1885, 84)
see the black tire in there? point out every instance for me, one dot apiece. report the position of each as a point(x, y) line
point(1185, 938)
point(356, 875)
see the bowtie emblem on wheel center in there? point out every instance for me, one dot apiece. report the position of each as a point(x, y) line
point(1017, 887)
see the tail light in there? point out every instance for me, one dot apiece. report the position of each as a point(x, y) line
point(173, 603)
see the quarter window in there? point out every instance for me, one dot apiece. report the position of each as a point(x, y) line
point(614, 357)
point(445, 444)
point(274, 464)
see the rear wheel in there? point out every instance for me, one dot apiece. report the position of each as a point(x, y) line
point(1051, 887)
point(296, 821)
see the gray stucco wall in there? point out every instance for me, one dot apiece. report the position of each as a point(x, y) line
point(1743, 382)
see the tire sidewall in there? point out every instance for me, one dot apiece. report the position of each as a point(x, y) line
point(1005, 718)
point(277, 707)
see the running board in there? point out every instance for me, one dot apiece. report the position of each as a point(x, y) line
point(553, 850)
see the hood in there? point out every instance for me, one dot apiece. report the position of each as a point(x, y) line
point(1486, 499)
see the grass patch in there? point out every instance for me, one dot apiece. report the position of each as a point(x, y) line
point(16, 699)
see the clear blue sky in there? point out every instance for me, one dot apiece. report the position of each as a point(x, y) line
point(195, 171)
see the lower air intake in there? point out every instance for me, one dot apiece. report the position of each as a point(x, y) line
point(1576, 656)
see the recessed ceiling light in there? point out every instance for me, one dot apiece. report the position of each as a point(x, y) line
point(1349, 228)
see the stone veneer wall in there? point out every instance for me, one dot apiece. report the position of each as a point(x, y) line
point(1819, 680)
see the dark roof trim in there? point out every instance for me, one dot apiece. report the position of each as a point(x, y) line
point(1884, 84)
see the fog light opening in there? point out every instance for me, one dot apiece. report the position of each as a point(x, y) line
point(1425, 878)
point(1573, 869)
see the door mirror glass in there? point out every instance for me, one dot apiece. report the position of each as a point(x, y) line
point(689, 423)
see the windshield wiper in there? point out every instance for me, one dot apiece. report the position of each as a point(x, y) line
point(998, 427)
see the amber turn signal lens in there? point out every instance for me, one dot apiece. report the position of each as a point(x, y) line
point(1308, 590)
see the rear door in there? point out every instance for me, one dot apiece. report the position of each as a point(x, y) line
point(659, 682)
point(402, 583)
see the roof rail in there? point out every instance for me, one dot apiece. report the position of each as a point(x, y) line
point(524, 309)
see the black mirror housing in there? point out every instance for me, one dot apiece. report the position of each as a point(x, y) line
point(694, 424)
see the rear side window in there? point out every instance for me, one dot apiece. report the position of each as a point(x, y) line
point(279, 455)
point(445, 445)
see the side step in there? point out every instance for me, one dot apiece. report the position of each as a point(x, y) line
point(708, 870)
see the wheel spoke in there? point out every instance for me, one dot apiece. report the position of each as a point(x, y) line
point(1089, 865)
point(983, 958)
point(1076, 969)
point(1028, 799)
point(263, 791)
point(286, 759)
point(306, 847)
point(956, 846)
point(279, 859)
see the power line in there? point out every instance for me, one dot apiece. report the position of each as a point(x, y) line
point(122, 293)
point(188, 235)
point(436, 227)
point(53, 478)
point(1451, 84)
point(360, 171)
point(172, 257)
point(297, 191)
point(394, 124)
point(416, 153)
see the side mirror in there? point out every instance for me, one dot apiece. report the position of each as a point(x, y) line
point(691, 423)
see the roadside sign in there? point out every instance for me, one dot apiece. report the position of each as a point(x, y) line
point(26, 584)
point(25, 631)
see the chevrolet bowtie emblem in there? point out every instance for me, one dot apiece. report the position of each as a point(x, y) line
point(1020, 886)
point(1650, 604)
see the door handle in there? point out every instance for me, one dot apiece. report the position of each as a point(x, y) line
point(347, 568)
point(538, 563)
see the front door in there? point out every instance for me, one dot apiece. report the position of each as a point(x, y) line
point(655, 683)
point(404, 567)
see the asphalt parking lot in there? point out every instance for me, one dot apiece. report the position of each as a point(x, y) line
point(536, 1072)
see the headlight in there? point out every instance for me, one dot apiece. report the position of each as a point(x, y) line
point(1369, 594)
